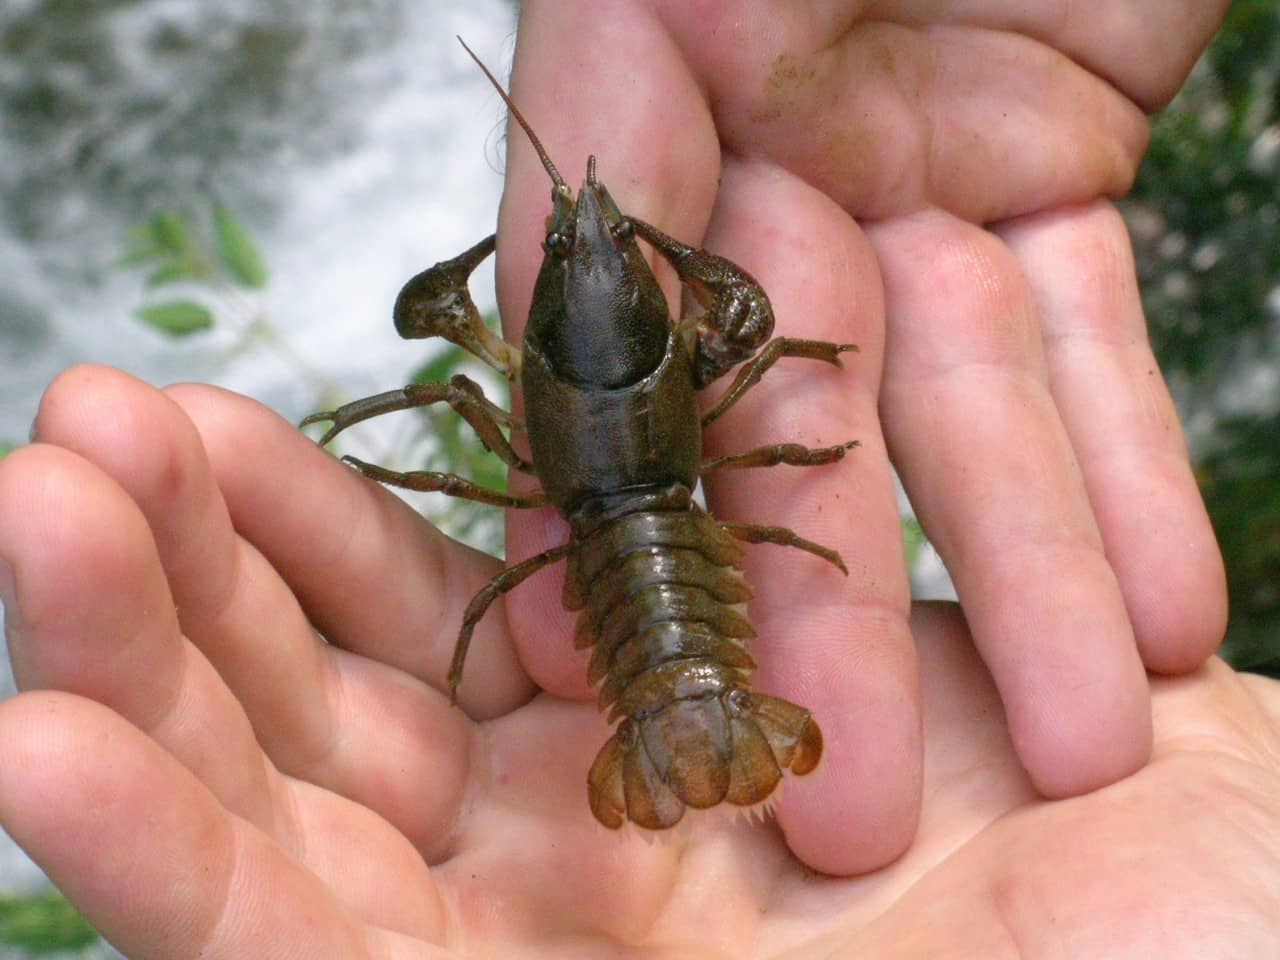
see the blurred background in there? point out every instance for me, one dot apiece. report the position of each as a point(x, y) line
point(236, 192)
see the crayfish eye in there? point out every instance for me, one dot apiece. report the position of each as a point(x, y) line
point(623, 229)
point(557, 243)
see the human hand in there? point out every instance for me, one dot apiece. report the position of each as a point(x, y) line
point(929, 181)
point(202, 775)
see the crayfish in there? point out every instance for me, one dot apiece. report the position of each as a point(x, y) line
point(610, 382)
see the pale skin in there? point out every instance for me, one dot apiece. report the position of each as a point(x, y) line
point(202, 775)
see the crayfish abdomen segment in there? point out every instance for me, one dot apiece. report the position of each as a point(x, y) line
point(662, 606)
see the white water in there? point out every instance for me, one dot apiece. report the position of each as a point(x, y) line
point(359, 146)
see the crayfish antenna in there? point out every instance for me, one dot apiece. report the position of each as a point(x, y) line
point(550, 167)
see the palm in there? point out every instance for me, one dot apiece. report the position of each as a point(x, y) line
point(1152, 866)
point(992, 866)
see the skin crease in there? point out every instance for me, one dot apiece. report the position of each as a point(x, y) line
point(202, 776)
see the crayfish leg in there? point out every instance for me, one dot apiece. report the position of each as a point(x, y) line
point(759, 533)
point(461, 393)
point(749, 373)
point(437, 303)
point(738, 318)
point(450, 484)
point(770, 455)
point(506, 581)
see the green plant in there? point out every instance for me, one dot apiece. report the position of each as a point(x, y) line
point(173, 248)
point(42, 923)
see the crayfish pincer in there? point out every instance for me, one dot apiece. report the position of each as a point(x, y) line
point(610, 382)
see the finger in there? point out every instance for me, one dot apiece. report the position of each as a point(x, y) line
point(371, 575)
point(1036, 867)
point(1144, 47)
point(837, 645)
point(150, 857)
point(113, 637)
point(972, 780)
point(659, 165)
point(223, 590)
point(91, 614)
point(357, 727)
point(889, 119)
point(1124, 430)
point(986, 461)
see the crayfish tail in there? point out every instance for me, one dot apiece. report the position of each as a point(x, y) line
point(698, 752)
point(793, 735)
point(605, 794)
point(662, 607)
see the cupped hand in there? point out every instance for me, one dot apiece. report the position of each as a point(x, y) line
point(930, 181)
point(203, 775)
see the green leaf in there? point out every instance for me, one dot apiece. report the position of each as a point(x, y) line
point(171, 232)
point(236, 249)
point(139, 247)
point(176, 241)
point(43, 923)
point(5, 448)
point(913, 539)
point(176, 317)
point(172, 272)
point(168, 241)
